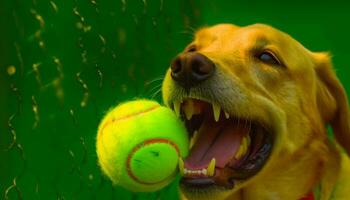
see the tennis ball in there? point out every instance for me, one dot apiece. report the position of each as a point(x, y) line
point(139, 144)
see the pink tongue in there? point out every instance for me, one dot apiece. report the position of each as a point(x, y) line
point(219, 140)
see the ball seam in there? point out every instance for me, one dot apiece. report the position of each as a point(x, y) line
point(126, 117)
point(143, 144)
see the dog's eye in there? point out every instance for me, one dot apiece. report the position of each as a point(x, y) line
point(268, 58)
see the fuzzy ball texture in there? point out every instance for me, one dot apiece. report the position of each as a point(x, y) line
point(139, 143)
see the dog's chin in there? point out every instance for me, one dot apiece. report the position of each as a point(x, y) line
point(225, 150)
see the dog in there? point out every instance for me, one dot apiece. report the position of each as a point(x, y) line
point(258, 107)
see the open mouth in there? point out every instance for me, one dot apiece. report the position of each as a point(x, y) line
point(224, 149)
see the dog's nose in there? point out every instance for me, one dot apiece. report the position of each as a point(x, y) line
point(191, 68)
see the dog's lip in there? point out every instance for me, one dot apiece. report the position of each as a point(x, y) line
point(239, 173)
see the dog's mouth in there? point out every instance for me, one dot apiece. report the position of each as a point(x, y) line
point(225, 149)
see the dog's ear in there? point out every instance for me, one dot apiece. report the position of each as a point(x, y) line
point(332, 101)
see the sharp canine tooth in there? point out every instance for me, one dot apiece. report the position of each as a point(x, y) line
point(239, 152)
point(243, 147)
point(194, 138)
point(177, 105)
point(227, 115)
point(189, 109)
point(211, 167)
point(216, 110)
point(181, 166)
point(248, 141)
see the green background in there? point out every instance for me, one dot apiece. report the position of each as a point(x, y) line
point(76, 59)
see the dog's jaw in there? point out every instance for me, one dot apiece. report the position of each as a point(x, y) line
point(233, 107)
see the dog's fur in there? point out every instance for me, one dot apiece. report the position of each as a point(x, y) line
point(297, 100)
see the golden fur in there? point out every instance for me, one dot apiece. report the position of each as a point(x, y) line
point(296, 101)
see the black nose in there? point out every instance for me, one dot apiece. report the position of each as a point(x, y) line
point(191, 68)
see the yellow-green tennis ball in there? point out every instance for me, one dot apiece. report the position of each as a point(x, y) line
point(139, 143)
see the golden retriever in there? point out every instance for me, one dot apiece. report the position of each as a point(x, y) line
point(257, 106)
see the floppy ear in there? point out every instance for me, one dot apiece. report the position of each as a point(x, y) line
point(332, 100)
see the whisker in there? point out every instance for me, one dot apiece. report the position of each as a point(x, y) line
point(186, 32)
point(191, 28)
point(154, 80)
point(154, 90)
point(156, 93)
point(156, 87)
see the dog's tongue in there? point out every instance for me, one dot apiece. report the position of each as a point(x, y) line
point(219, 140)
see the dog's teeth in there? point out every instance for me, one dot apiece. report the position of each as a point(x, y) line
point(189, 109)
point(197, 172)
point(227, 115)
point(248, 141)
point(194, 138)
point(243, 147)
point(177, 105)
point(211, 167)
point(239, 152)
point(181, 166)
point(216, 111)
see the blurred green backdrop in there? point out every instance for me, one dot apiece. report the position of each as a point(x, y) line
point(64, 64)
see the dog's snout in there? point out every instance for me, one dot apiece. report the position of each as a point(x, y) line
point(189, 69)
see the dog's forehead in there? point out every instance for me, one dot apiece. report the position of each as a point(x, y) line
point(229, 37)
point(249, 33)
point(219, 29)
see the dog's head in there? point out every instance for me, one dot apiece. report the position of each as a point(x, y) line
point(253, 100)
